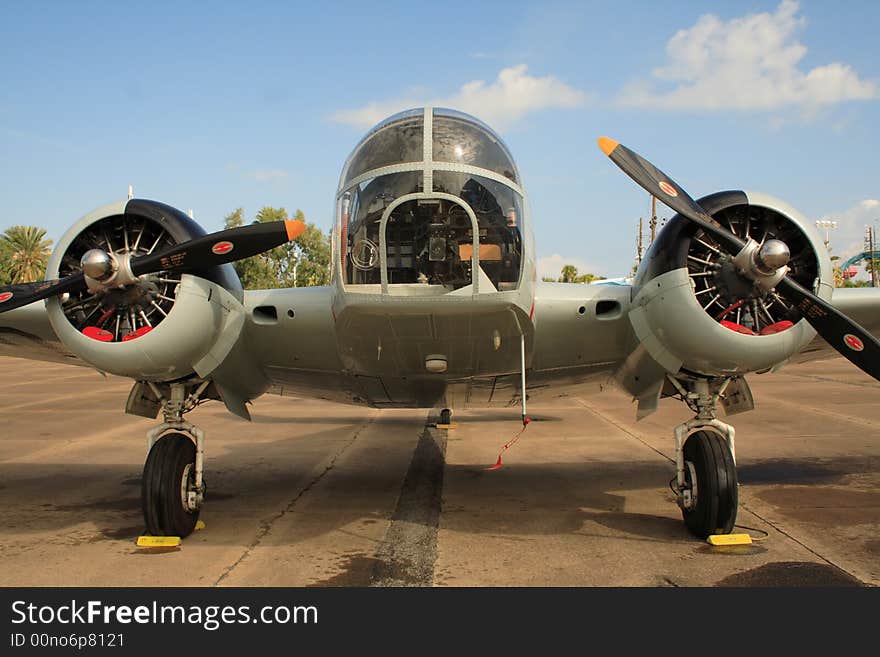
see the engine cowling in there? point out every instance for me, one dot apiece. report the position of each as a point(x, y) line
point(691, 311)
point(164, 327)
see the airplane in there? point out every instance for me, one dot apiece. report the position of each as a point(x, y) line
point(434, 302)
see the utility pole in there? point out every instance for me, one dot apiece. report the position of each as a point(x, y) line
point(871, 236)
point(639, 244)
point(653, 222)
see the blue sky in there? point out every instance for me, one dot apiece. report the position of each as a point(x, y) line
point(212, 106)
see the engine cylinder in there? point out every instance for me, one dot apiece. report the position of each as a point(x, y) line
point(159, 328)
point(693, 311)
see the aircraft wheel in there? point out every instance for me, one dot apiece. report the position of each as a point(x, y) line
point(168, 474)
point(711, 474)
point(445, 416)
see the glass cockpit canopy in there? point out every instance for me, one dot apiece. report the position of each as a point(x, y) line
point(463, 204)
point(458, 138)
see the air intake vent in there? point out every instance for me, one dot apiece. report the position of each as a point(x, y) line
point(266, 315)
point(608, 309)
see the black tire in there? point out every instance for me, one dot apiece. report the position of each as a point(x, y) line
point(445, 416)
point(161, 499)
point(717, 497)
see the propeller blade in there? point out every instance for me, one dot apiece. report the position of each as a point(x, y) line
point(219, 248)
point(16, 296)
point(852, 341)
point(669, 192)
point(214, 249)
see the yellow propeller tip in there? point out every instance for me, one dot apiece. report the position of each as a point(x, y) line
point(294, 229)
point(607, 145)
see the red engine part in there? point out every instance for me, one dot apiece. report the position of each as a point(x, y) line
point(96, 333)
point(739, 328)
point(778, 327)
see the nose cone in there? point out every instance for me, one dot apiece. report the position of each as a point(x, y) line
point(98, 264)
point(774, 254)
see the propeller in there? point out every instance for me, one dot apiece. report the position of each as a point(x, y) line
point(765, 264)
point(102, 270)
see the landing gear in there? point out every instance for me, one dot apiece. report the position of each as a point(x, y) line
point(172, 487)
point(705, 464)
point(166, 487)
point(710, 477)
point(445, 416)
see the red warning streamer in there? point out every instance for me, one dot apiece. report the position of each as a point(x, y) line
point(509, 444)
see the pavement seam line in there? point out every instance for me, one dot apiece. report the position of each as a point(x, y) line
point(741, 504)
point(826, 379)
point(769, 523)
point(54, 400)
point(821, 411)
point(622, 428)
point(267, 526)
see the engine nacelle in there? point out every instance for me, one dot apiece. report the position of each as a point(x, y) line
point(691, 312)
point(166, 326)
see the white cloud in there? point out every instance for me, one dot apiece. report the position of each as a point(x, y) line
point(551, 266)
point(848, 238)
point(512, 95)
point(746, 63)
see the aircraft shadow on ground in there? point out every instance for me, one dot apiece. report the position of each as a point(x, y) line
point(249, 485)
point(511, 416)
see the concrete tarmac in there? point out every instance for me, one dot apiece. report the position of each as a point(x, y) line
point(317, 494)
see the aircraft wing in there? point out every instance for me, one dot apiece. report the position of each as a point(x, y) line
point(26, 333)
point(300, 350)
point(590, 335)
point(862, 304)
point(286, 333)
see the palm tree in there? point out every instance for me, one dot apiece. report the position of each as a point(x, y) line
point(5, 278)
point(27, 251)
point(569, 273)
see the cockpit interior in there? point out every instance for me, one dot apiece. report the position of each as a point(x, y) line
point(434, 208)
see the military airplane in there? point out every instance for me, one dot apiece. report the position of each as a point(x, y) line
point(434, 302)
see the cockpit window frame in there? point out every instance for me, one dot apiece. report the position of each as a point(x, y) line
point(400, 117)
point(475, 144)
point(427, 166)
point(383, 234)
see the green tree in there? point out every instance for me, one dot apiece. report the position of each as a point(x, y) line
point(26, 253)
point(281, 259)
point(5, 278)
point(303, 262)
point(588, 278)
point(255, 272)
point(313, 266)
point(569, 273)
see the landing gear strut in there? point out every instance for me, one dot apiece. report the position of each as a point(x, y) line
point(172, 487)
point(705, 463)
